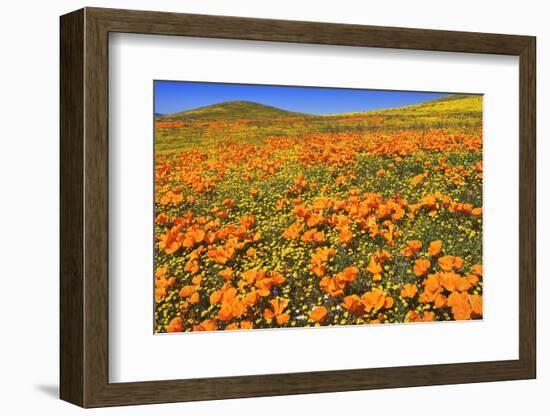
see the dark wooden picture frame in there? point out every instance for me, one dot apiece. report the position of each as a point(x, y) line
point(84, 207)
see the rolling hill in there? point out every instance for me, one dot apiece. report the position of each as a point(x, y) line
point(231, 110)
point(454, 104)
point(448, 105)
point(452, 111)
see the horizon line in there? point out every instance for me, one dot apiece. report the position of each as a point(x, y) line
point(174, 96)
point(309, 114)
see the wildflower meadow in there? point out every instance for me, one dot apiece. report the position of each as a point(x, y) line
point(266, 218)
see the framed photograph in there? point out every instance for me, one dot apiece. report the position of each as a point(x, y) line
point(257, 207)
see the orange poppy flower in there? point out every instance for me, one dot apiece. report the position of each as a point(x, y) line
point(440, 301)
point(477, 269)
point(318, 270)
point(186, 291)
point(226, 273)
point(476, 302)
point(251, 298)
point(171, 197)
point(191, 266)
point(421, 266)
point(413, 246)
point(161, 218)
point(313, 235)
point(321, 255)
point(220, 254)
point(231, 308)
point(354, 305)
point(301, 211)
point(435, 248)
point(220, 213)
point(333, 286)
point(194, 298)
point(160, 272)
point(448, 263)
point(300, 180)
point(313, 220)
point(171, 241)
point(162, 283)
point(413, 316)
point(250, 275)
point(207, 325)
point(193, 236)
point(293, 232)
point(160, 293)
point(449, 280)
point(389, 234)
point(319, 314)
point(409, 290)
point(348, 274)
point(175, 325)
point(246, 325)
point(418, 178)
point(460, 306)
point(373, 300)
point(473, 279)
point(265, 281)
point(382, 256)
point(281, 203)
point(345, 235)
point(432, 287)
point(376, 269)
point(319, 236)
point(226, 292)
point(277, 311)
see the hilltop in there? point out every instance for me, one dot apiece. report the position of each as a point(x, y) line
point(231, 110)
point(452, 111)
point(451, 104)
point(454, 104)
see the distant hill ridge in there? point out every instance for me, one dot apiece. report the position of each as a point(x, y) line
point(232, 110)
point(450, 104)
point(228, 110)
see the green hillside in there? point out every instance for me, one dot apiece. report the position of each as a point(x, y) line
point(448, 105)
point(451, 112)
point(451, 105)
point(231, 110)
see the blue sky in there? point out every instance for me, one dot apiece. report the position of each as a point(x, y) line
point(175, 96)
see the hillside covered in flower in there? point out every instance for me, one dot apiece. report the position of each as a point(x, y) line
point(266, 218)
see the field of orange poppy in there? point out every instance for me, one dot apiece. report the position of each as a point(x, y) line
point(272, 219)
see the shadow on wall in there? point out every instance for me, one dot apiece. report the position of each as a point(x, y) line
point(48, 389)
